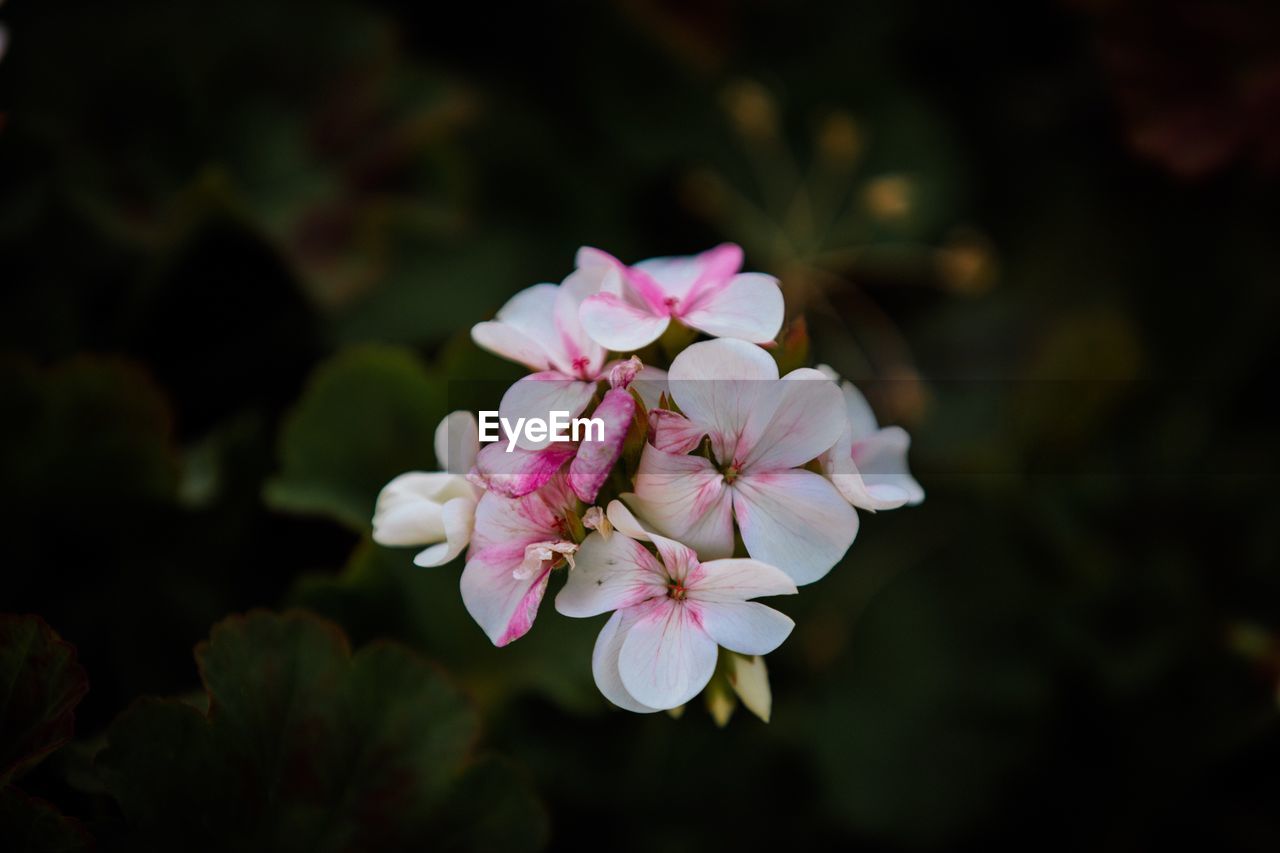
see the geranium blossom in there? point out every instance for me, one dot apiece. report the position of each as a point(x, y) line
point(869, 462)
point(659, 648)
point(761, 430)
point(517, 542)
point(704, 292)
point(434, 508)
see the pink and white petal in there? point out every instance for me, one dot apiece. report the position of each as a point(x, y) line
point(685, 498)
point(510, 343)
point(408, 508)
point(458, 517)
point(748, 307)
point(882, 460)
point(684, 276)
point(666, 658)
point(610, 574)
point(858, 410)
point(804, 417)
point(456, 442)
point(745, 627)
point(515, 522)
point(738, 579)
point(501, 603)
point(838, 466)
point(671, 432)
point(794, 520)
point(596, 456)
point(571, 349)
point(616, 325)
point(520, 472)
point(720, 385)
point(531, 311)
point(537, 396)
point(679, 559)
point(604, 662)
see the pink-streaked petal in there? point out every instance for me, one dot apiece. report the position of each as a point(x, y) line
point(802, 417)
point(794, 520)
point(684, 497)
point(738, 579)
point(408, 510)
point(686, 276)
point(597, 455)
point(503, 605)
point(458, 517)
point(748, 307)
point(881, 458)
point(610, 574)
point(721, 385)
point(604, 662)
point(517, 522)
point(537, 396)
point(616, 325)
point(671, 432)
point(666, 657)
point(746, 627)
point(520, 472)
point(572, 350)
point(456, 442)
point(510, 343)
point(679, 559)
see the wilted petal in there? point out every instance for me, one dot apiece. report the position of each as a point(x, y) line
point(620, 326)
point(408, 510)
point(610, 574)
point(597, 455)
point(457, 441)
point(458, 517)
point(604, 662)
point(748, 307)
point(520, 472)
point(794, 520)
point(666, 659)
point(684, 497)
point(503, 604)
point(803, 417)
point(746, 627)
point(738, 579)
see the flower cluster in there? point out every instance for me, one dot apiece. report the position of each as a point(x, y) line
point(713, 482)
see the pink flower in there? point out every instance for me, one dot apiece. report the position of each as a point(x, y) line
point(672, 612)
point(704, 292)
point(869, 463)
point(516, 543)
point(436, 508)
point(762, 431)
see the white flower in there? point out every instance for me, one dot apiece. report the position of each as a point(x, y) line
point(436, 508)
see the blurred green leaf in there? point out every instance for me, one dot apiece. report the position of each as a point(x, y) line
point(40, 685)
point(305, 747)
point(368, 414)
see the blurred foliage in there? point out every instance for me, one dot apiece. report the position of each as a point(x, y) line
point(242, 246)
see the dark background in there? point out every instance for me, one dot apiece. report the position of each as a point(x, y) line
point(242, 243)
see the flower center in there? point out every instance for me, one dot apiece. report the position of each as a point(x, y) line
point(677, 592)
point(731, 473)
point(580, 365)
point(671, 302)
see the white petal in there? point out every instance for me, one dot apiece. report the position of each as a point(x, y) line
point(408, 508)
point(510, 343)
point(617, 325)
point(720, 385)
point(684, 497)
point(881, 458)
point(457, 441)
point(666, 658)
point(686, 276)
point(746, 627)
point(501, 603)
point(738, 580)
point(748, 307)
point(624, 522)
point(794, 520)
point(572, 350)
point(537, 396)
point(604, 662)
point(458, 517)
point(610, 574)
point(858, 410)
point(803, 417)
point(838, 466)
